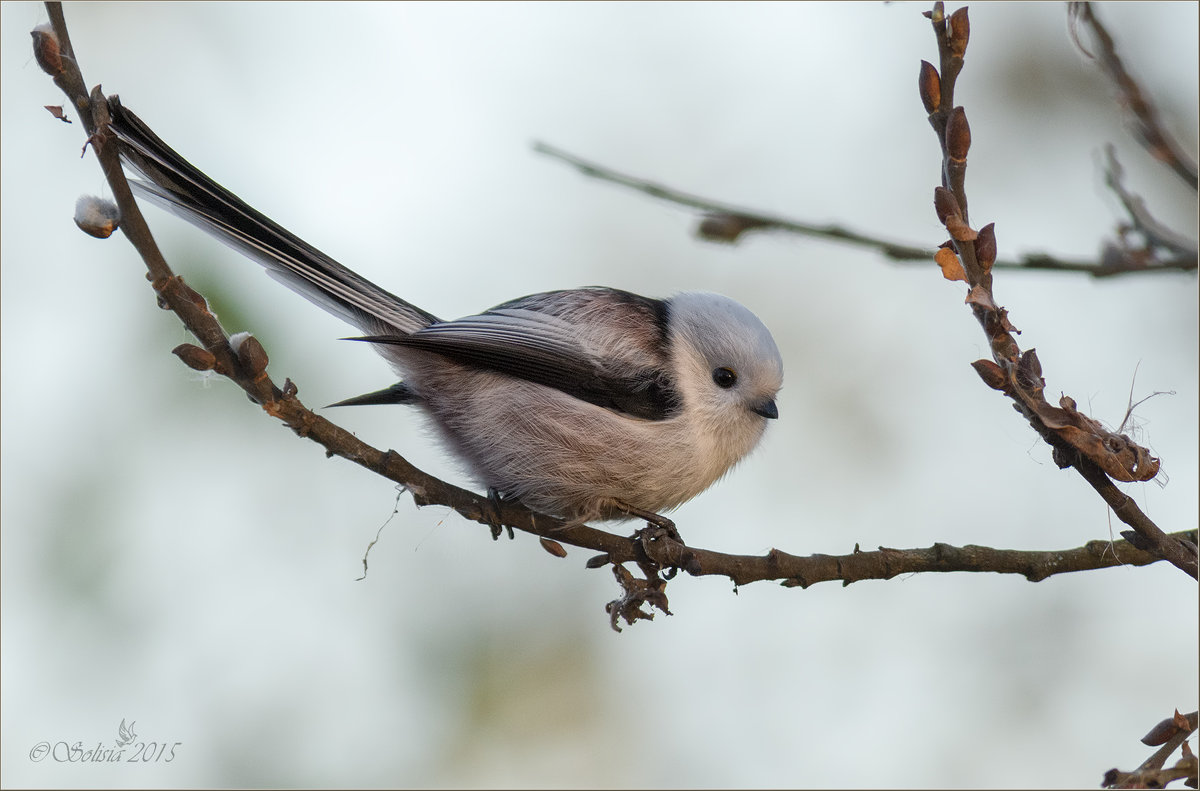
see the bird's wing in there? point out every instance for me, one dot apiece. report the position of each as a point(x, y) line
point(603, 346)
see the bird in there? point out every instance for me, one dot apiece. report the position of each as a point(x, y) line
point(584, 404)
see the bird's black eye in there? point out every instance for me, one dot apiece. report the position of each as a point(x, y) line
point(724, 377)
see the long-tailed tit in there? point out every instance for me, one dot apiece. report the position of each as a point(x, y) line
point(590, 403)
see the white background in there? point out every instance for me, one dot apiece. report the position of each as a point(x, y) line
point(173, 557)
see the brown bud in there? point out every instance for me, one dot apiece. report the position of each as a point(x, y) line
point(194, 357)
point(945, 204)
point(985, 246)
point(726, 228)
point(46, 51)
point(1161, 733)
point(598, 561)
point(96, 217)
point(960, 32)
point(930, 86)
point(991, 374)
point(193, 296)
point(958, 135)
point(250, 353)
point(553, 547)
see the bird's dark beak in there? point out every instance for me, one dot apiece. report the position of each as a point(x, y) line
point(767, 409)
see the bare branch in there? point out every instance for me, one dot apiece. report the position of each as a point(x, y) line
point(1147, 126)
point(727, 223)
point(1172, 733)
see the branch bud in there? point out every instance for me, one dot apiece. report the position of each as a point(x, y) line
point(194, 357)
point(958, 135)
point(96, 217)
point(945, 204)
point(194, 296)
point(553, 547)
point(250, 353)
point(991, 374)
point(930, 85)
point(985, 246)
point(727, 228)
point(46, 50)
point(960, 32)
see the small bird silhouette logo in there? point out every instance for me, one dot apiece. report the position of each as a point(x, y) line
point(125, 733)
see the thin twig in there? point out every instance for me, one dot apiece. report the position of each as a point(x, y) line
point(1172, 733)
point(1147, 126)
point(725, 222)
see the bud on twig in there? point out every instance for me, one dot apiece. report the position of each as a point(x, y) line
point(985, 246)
point(930, 85)
point(45, 49)
point(194, 296)
point(945, 204)
point(553, 547)
point(960, 32)
point(991, 374)
point(958, 135)
point(194, 357)
point(250, 353)
point(96, 217)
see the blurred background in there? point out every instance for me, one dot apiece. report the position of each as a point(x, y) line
point(174, 558)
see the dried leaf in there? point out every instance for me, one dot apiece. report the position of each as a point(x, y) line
point(951, 266)
point(959, 230)
point(982, 297)
point(56, 110)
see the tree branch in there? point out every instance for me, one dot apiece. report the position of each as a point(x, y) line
point(1172, 733)
point(1147, 127)
point(725, 222)
point(1078, 440)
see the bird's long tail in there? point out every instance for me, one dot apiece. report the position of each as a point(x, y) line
point(175, 184)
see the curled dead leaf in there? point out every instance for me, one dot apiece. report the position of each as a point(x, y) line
point(982, 297)
point(951, 267)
